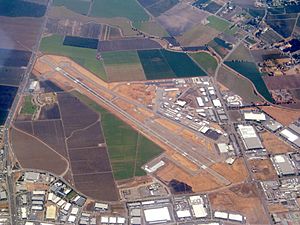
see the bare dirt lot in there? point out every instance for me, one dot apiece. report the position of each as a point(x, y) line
point(284, 116)
point(263, 169)
point(242, 198)
point(274, 145)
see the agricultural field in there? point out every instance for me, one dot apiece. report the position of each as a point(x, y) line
point(198, 35)
point(128, 149)
point(129, 9)
point(206, 61)
point(85, 57)
point(152, 27)
point(218, 45)
point(28, 107)
point(160, 64)
point(81, 42)
point(78, 6)
point(11, 76)
point(284, 27)
point(217, 23)
point(21, 8)
point(157, 7)
point(128, 44)
point(14, 58)
point(250, 71)
point(238, 85)
point(241, 53)
point(212, 7)
point(7, 95)
point(189, 17)
point(123, 66)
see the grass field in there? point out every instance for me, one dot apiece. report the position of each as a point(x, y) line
point(161, 6)
point(152, 28)
point(83, 56)
point(123, 66)
point(241, 53)
point(129, 9)
point(78, 6)
point(28, 108)
point(198, 35)
point(217, 23)
point(128, 149)
point(250, 71)
point(206, 61)
point(237, 85)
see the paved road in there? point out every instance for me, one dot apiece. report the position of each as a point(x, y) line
point(10, 117)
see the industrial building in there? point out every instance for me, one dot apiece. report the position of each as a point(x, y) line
point(157, 215)
point(291, 136)
point(283, 165)
point(249, 137)
point(254, 116)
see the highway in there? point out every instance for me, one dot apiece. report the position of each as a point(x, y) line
point(11, 115)
point(157, 131)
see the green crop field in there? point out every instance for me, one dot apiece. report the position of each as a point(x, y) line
point(123, 66)
point(182, 64)
point(129, 9)
point(83, 56)
point(250, 71)
point(238, 85)
point(128, 149)
point(78, 6)
point(162, 64)
point(155, 65)
point(152, 28)
point(217, 23)
point(206, 61)
point(28, 107)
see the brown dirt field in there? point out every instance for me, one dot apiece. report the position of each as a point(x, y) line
point(201, 182)
point(169, 125)
point(274, 145)
point(36, 186)
point(242, 198)
point(235, 173)
point(277, 208)
point(264, 168)
point(137, 92)
point(284, 116)
point(136, 181)
point(38, 157)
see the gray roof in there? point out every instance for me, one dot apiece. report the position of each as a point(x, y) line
point(252, 143)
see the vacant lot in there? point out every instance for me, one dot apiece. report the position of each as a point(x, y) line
point(123, 66)
point(128, 149)
point(282, 82)
point(181, 18)
point(274, 145)
point(129, 9)
point(237, 85)
point(243, 199)
point(128, 44)
point(84, 57)
point(206, 61)
point(284, 116)
point(263, 169)
point(79, 6)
